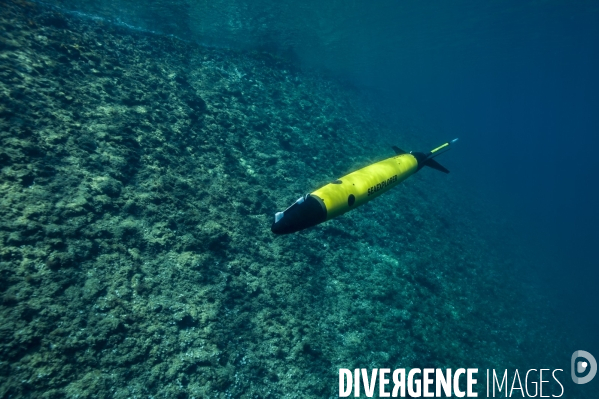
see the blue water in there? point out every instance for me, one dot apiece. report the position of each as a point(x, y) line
point(517, 82)
point(519, 85)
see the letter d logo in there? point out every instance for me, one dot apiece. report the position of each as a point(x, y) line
point(582, 366)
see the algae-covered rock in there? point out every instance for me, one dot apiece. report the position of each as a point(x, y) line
point(107, 186)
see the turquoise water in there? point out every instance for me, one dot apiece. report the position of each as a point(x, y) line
point(146, 149)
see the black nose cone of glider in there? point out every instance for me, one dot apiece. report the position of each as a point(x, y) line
point(306, 212)
point(281, 227)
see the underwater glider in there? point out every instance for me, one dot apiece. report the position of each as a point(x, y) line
point(355, 189)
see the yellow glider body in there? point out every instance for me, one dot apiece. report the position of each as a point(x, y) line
point(361, 186)
point(354, 189)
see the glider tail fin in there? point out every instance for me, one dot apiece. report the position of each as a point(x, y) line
point(431, 163)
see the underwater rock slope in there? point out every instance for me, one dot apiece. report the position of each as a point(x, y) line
point(139, 177)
